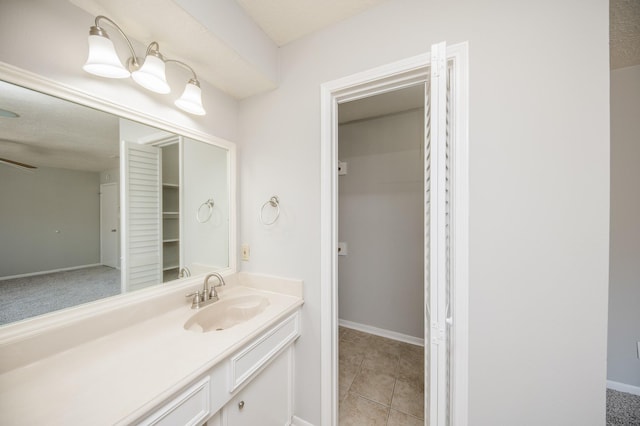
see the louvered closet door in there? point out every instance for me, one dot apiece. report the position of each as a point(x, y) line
point(142, 221)
point(437, 242)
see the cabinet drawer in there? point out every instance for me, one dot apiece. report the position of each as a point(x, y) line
point(267, 400)
point(246, 362)
point(189, 408)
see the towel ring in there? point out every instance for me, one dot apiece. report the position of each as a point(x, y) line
point(273, 202)
point(207, 215)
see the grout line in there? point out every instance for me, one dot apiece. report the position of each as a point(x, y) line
point(393, 392)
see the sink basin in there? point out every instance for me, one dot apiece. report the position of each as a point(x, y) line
point(226, 313)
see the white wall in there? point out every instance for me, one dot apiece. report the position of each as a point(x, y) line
point(539, 168)
point(623, 365)
point(381, 219)
point(49, 37)
point(205, 177)
point(50, 219)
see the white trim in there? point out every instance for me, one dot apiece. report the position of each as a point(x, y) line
point(297, 421)
point(436, 358)
point(393, 335)
point(378, 80)
point(460, 223)
point(51, 271)
point(623, 387)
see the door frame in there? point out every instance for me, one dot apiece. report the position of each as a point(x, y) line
point(382, 79)
point(102, 185)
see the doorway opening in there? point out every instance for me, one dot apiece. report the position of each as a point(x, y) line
point(380, 258)
point(445, 153)
point(109, 224)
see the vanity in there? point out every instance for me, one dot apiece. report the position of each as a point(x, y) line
point(155, 371)
point(141, 355)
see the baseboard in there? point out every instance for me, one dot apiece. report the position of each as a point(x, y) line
point(297, 421)
point(382, 332)
point(623, 387)
point(33, 274)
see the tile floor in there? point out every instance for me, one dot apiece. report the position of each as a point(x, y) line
point(381, 381)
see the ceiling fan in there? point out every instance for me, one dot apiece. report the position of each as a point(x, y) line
point(17, 164)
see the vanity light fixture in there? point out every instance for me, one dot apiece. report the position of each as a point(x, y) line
point(103, 61)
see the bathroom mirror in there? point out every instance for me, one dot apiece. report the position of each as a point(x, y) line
point(78, 217)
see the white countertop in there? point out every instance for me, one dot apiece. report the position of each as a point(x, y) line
point(118, 377)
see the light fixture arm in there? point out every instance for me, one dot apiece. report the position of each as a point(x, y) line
point(97, 30)
point(194, 80)
point(154, 49)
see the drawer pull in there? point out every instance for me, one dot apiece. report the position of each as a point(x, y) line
point(241, 405)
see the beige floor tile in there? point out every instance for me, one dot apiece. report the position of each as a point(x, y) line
point(397, 418)
point(351, 352)
point(341, 332)
point(408, 397)
point(374, 385)
point(358, 411)
point(375, 359)
point(383, 344)
point(347, 370)
point(343, 391)
point(355, 336)
point(410, 369)
point(375, 373)
point(411, 351)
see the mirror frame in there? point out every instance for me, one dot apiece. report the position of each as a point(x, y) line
point(40, 323)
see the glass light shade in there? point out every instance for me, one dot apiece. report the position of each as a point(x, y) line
point(103, 60)
point(151, 75)
point(191, 100)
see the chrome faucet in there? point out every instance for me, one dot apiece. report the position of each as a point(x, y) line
point(209, 294)
point(184, 272)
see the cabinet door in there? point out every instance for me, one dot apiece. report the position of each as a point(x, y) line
point(266, 400)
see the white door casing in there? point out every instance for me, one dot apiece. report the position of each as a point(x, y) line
point(368, 83)
point(437, 372)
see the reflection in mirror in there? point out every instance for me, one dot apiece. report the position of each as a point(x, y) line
point(74, 226)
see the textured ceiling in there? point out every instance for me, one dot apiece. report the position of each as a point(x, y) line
point(51, 132)
point(624, 33)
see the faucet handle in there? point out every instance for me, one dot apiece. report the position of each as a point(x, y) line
point(197, 298)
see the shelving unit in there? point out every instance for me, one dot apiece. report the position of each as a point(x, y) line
point(170, 211)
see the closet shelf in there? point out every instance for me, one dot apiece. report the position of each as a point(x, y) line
point(170, 267)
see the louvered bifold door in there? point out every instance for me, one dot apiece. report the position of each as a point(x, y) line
point(142, 221)
point(437, 286)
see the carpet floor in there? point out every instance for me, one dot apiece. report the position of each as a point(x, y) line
point(623, 409)
point(26, 297)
